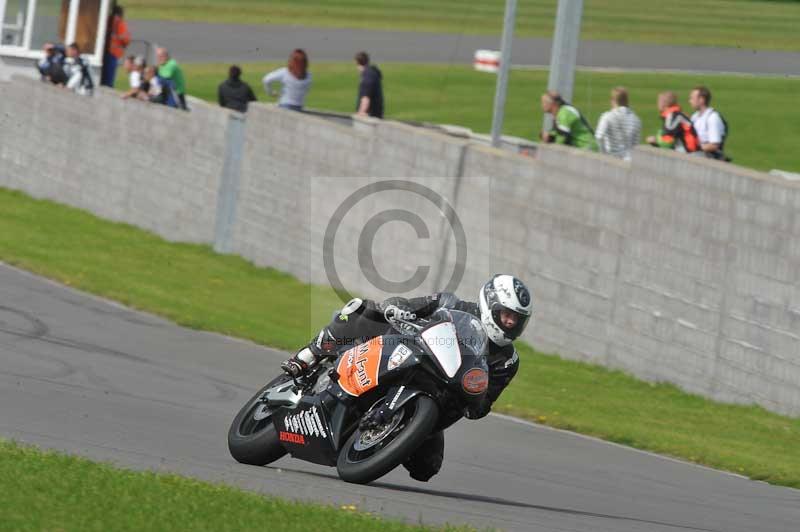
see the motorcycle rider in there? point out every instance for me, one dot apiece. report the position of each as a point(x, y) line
point(504, 308)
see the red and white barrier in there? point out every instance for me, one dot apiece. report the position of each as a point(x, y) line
point(487, 61)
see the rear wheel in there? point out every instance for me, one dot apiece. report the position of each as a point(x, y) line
point(368, 455)
point(252, 438)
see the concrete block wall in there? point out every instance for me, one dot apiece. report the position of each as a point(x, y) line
point(298, 169)
point(672, 267)
point(124, 160)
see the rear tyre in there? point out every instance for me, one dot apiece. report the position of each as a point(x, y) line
point(363, 460)
point(252, 438)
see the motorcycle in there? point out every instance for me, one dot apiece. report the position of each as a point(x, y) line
point(368, 408)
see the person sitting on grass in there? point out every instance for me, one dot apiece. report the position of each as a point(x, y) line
point(134, 66)
point(570, 127)
point(76, 68)
point(170, 71)
point(51, 66)
point(150, 89)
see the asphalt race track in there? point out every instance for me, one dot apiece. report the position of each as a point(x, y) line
point(230, 43)
point(90, 377)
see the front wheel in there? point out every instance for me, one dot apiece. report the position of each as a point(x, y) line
point(252, 438)
point(368, 455)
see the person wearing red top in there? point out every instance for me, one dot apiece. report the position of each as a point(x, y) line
point(118, 39)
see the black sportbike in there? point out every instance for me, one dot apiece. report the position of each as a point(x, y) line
point(367, 409)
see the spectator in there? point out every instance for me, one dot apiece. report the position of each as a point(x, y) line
point(51, 66)
point(294, 79)
point(677, 132)
point(76, 68)
point(709, 124)
point(151, 89)
point(134, 66)
point(118, 40)
point(171, 76)
point(619, 129)
point(233, 93)
point(570, 127)
point(370, 89)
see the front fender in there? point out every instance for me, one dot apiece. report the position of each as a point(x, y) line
point(397, 396)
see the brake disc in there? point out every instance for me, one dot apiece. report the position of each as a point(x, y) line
point(371, 437)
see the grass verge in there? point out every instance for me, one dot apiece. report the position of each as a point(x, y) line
point(71, 493)
point(756, 24)
point(195, 287)
point(762, 113)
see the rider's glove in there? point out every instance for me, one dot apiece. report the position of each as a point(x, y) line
point(393, 311)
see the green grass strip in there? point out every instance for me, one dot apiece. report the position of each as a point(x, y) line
point(762, 112)
point(195, 287)
point(749, 24)
point(51, 491)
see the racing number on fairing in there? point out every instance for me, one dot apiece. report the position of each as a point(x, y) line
point(358, 367)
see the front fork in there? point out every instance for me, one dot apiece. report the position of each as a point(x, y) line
point(380, 414)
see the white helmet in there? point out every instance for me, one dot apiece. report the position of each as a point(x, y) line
point(504, 292)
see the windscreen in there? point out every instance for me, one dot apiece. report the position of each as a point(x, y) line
point(458, 335)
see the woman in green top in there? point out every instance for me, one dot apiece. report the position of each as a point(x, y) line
point(569, 125)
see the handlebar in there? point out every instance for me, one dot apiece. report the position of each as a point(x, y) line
point(405, 326)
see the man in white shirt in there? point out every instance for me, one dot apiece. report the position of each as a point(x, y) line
point(708, 123)
point(619, 129)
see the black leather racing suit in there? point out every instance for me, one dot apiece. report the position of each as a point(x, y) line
point(360, 322)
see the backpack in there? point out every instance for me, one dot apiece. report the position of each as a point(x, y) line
point(583, 120)
point(727, 130)
point(683, 130)
point(720, 153)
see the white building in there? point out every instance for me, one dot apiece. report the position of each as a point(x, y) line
point(28, 24)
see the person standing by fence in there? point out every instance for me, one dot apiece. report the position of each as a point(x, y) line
point(619, 129)
point(370, 89)
point(570, 127)
point(233, 93)
point(117, 41)
point(294, 79)
point(712, 130)
point(677, 132)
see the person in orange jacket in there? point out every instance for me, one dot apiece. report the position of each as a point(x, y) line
point(677, 132)
point(118, 40)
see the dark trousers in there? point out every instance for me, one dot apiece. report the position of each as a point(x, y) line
point(109, 71)
point(365, 323)
point(427, 460)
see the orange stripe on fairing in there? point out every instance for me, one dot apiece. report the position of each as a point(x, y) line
point(358, 368)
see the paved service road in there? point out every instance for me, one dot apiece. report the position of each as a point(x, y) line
point(90, 377)
point(228, 43)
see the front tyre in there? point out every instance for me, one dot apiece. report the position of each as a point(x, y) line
point(368, 455)
point(252, 438)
